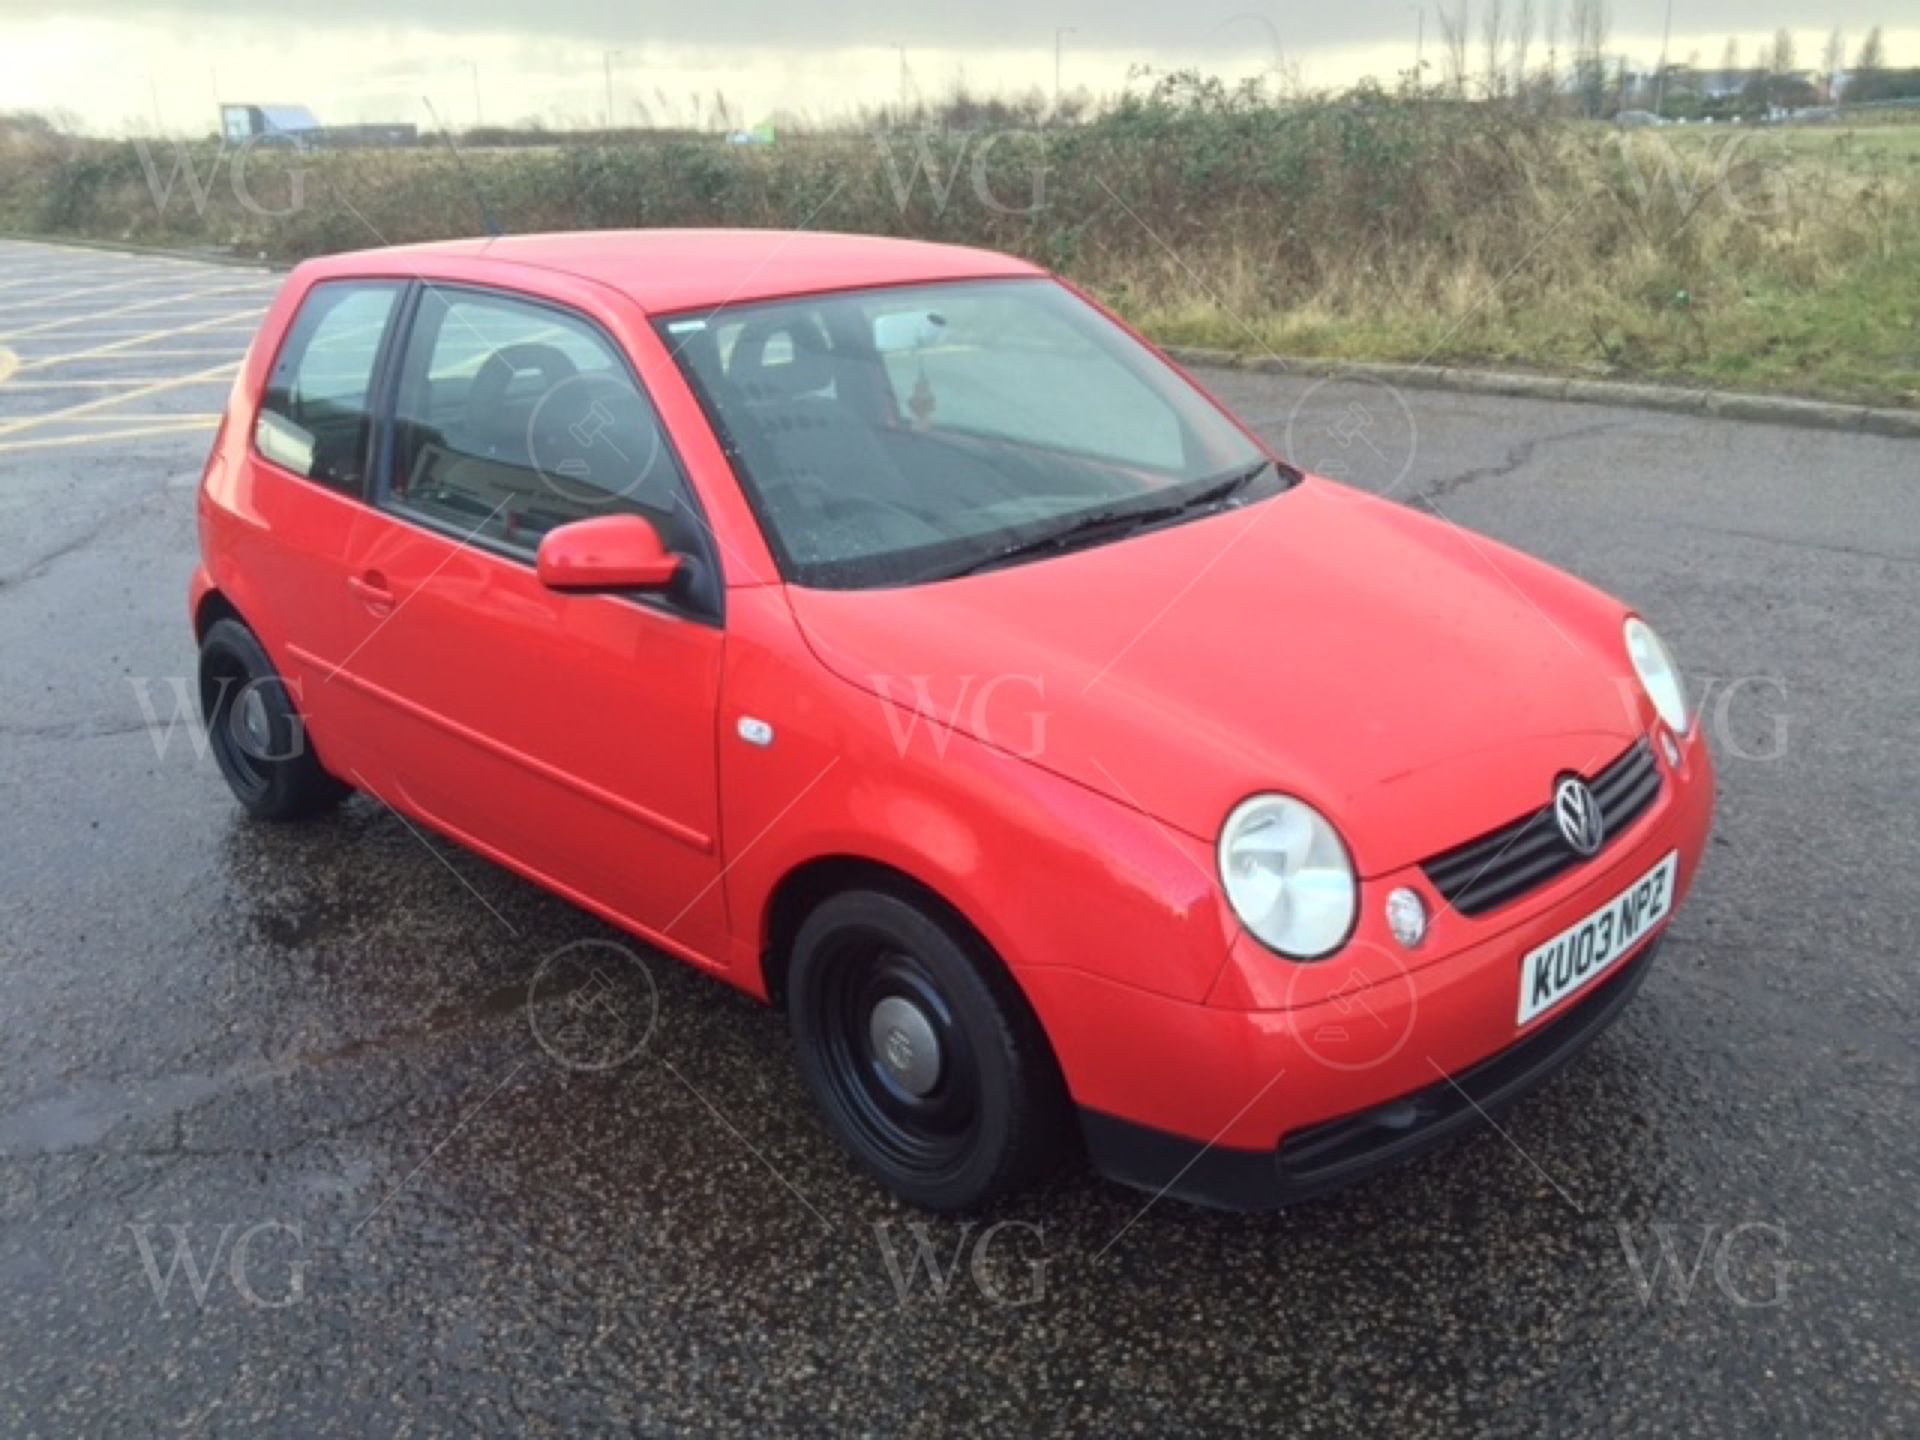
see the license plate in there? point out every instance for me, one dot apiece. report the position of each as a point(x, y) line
point(1581, 953)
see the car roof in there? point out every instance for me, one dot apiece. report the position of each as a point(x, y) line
point(668, 270)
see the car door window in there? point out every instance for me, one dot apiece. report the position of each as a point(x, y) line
point(514, 417)
point(314, 415)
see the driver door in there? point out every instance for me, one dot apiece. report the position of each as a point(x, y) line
point(568, 735)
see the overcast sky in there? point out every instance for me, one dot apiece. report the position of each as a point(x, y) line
point(108, 63)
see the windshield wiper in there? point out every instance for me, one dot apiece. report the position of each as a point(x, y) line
point(1225, 488)
point(1087, 530)
point(1111, 524)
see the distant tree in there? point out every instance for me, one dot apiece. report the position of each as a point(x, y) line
point(1730, 57)
point(1788, 92)
point(1780, 55)
point(1590, 21)
point(1522, 42)
point(1873, 53)
point(1454, 30)
point(1493, 35)
point(1832, 60)
point(1550, 32)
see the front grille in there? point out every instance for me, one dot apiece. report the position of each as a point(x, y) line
point(1486, 873)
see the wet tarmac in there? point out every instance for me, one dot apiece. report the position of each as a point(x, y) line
point(295, 1138)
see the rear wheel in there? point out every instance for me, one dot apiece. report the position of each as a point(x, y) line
point(257, 736)
point(921, 1052)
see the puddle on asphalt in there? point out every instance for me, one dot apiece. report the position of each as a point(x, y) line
point(83, 1117)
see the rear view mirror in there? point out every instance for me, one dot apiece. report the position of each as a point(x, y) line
point(609, 552)
point(907, 330)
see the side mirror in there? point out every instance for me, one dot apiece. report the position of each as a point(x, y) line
point(608, 552)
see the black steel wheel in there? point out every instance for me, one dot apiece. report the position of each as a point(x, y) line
point(255, 732)
point(921, 1052)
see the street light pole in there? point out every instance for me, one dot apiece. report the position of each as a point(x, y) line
point(474, 66)
point(606, 60)
point(1059, 35)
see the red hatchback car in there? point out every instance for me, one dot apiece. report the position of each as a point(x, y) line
point(887, 630)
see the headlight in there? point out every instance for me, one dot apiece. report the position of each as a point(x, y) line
point(1653, 663)
point(1287, 876)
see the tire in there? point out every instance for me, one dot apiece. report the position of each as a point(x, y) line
point(257, 736)
point(921, 1052)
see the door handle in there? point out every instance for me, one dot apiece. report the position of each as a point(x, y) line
point(371, 591)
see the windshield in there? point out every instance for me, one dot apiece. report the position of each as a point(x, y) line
point(910, 434)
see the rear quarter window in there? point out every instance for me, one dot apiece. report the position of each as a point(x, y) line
point(315, 413)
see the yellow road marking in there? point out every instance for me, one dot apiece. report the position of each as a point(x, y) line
point(7, 447)
point(201, 353)
point(193, 329)
point(113, 384)
point(78, 296)
point(88, 407)
point(66, 310)
point(244, 327)
point(148, 417)
point(48, 277)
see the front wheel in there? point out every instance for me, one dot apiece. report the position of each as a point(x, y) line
point(257, 736)
point(921, 1052)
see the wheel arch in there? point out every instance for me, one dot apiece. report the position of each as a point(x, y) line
point(214, 606)
point(812, 881)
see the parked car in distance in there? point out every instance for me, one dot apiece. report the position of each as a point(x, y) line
point(886, 630)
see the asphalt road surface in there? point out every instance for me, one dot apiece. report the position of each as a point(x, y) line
point(292, 1141)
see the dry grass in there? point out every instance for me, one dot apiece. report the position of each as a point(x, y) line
point(1369, 226)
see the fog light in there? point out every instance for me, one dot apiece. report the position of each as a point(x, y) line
point(1407, 917)
point(1671, 750)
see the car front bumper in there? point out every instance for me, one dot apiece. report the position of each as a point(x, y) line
point(1255, 1106)
point(1333, 1153)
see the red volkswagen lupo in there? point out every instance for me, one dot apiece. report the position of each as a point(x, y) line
point(885, 629)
